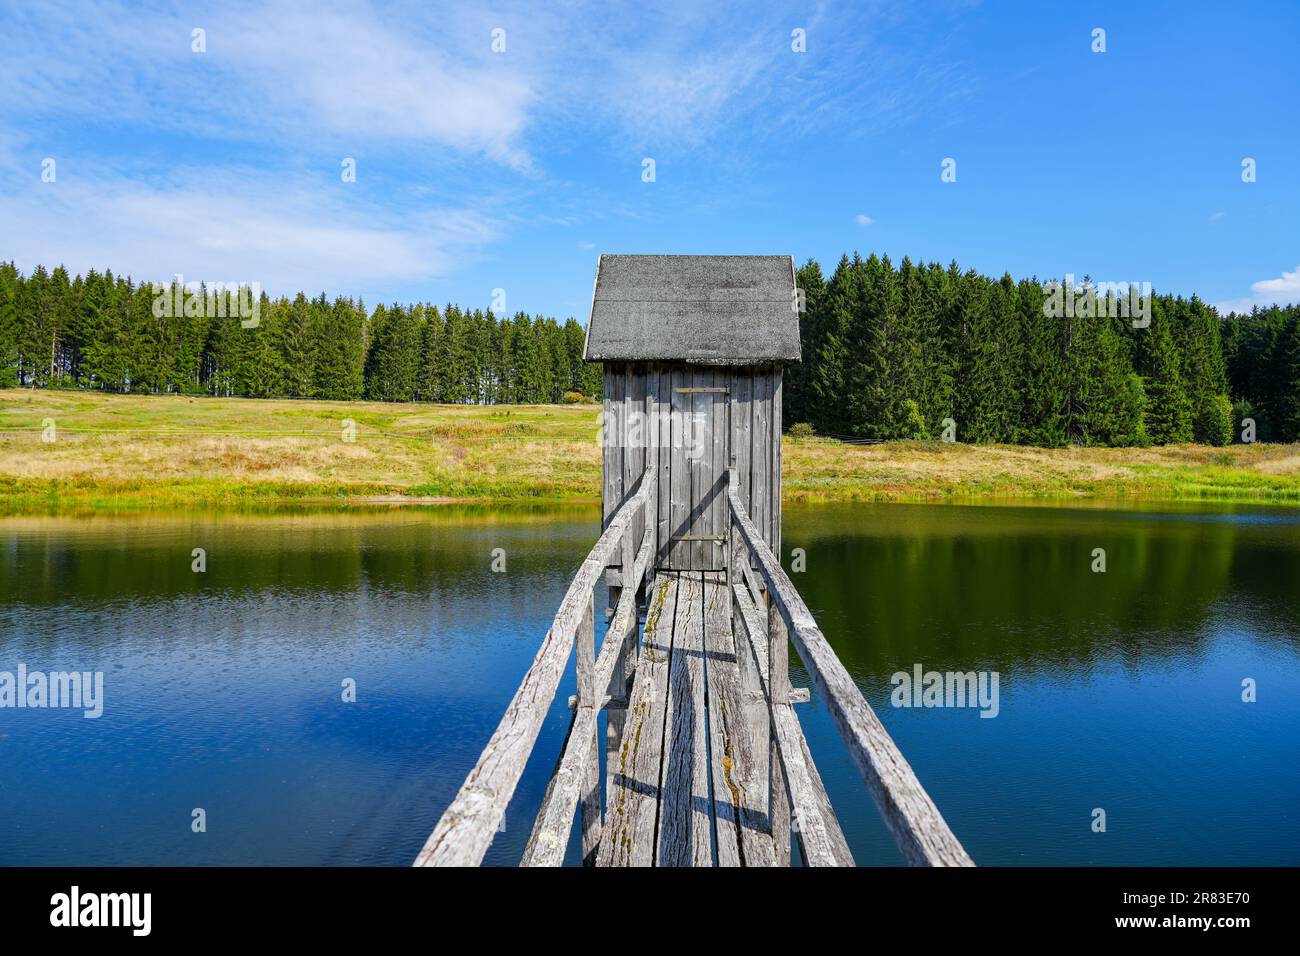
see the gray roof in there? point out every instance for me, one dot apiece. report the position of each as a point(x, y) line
point(709, 310)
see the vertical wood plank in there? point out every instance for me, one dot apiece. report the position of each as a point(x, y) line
point(633, 425)
point(761, 460)
point(699, 442)
point(777, 425)
point(664, 405)
point(611, 464)
point(741, 429)
point(718, 479)
point(680, 496)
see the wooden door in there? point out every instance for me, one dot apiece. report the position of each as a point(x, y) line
point(699, 454)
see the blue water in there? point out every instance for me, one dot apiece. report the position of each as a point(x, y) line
point(223, 689)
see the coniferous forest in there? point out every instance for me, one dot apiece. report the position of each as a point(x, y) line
point(889, 352)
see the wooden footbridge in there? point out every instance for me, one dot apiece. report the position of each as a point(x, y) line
point(706, 763)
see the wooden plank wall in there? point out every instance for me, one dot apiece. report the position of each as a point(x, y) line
point(691, 499)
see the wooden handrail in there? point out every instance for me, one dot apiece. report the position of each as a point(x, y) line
point(820, 835)
point(468, 825)
point(550, 836)
point(915, 822)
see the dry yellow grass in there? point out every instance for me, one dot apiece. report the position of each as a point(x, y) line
point(113, 449)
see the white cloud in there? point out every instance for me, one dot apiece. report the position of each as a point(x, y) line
point(269, 72)
point(863, 220)
point(246, 228)
point(1284, 290)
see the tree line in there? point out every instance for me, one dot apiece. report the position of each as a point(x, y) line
point(916, 350)
point(913, 351)
point(106, 332)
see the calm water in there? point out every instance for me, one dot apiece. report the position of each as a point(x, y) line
point(222, 690)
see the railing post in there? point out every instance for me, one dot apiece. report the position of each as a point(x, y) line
point(778, 688)
point(624, 665)
point(586, 665)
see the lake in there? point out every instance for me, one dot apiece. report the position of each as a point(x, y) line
point(223, 689)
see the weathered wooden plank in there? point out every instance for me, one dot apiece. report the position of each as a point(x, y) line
point(550, 834)
point(679, 497)
point(634, 429)
point(467, 827)
point(761, 454)
point(685, 837)
point(612, 434)
point(701, 440)
point(586, 667)
point(742, 431)
point(739, 780)
point(719, 650)
point(629, 831)
point(718, 474)
point(820, 836)
point(664, 405)
point(778, 387)
point(778, 686)
point(837, 844)
point(623, 629)
point(757, 715)
point(915, 822)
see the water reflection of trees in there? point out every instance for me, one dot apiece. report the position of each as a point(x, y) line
point(962, 588)
point(310, 576)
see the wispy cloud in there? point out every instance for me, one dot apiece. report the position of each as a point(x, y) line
point(1284, 290)
point(268, 72)
point(219, 163)
point(863, 220)
point(243, 226)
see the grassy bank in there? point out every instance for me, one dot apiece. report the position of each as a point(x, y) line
point(127, 450)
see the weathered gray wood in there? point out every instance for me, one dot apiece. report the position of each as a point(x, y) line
point(684, 837)
point(629, 832)
point(466, 828)
point(586, 666)
point(777, 398)
point(612, 434)
point(778, 685)
point(664, 404)
point(761, 491)
point(915, 822)
point(718, 473)
point(742, 432)
point(555, 817)
point(719, 669)
point(702, 448)
point(679, 497)
point(835, 846)
point(739, 779)
point(633, 422)
point(624, 631)
point(820, 836)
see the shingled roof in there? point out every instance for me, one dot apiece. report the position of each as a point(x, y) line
point(709, 310)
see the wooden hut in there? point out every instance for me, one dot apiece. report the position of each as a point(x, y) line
point(693, 348)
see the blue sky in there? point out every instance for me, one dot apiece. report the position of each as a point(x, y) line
point(478, 170)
